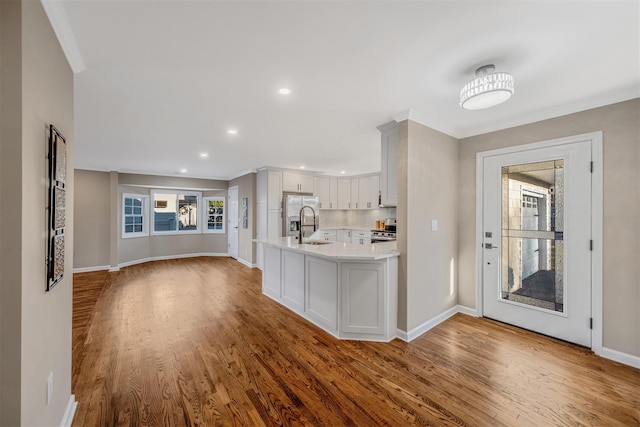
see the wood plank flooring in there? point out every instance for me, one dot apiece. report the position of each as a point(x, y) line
point(193, 342)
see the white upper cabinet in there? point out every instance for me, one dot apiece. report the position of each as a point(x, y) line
point(297, 183)
point(274, 190)
point(344, 193)
point(374, 189)
point(389, 169)
point(327, 192)
point(364, 193)
point(353, 200)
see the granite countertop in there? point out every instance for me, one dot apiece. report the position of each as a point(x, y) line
point(335, 250)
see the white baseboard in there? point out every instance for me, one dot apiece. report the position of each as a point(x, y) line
point(431, 323)
point(245, 262)
point(165, 257)
point(67, 419)
point(468, 311)
point(619, 356)
point(90, 269)
point(607, 353)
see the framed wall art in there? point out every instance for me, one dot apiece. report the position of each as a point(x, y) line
point(56, 207)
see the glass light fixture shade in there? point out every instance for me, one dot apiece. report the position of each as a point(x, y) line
point(487, 89)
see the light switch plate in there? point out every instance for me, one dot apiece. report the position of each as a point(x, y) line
point(434, 225)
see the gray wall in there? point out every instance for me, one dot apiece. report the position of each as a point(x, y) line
point(99, 241)
point(428, 190)
point(91, 223)
point(620, 124)
point(246, 188)
point(37, 89)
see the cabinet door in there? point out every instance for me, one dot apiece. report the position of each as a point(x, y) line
point(324, 193)
point(364, 193)
point(290, 182)
point(274, 223)
point(261, 219)
point(306, 183)
point(344, 193)
point(389, 175)
point(321, 292)
point(271, 272)
point(353, 199)
point(374, 188)
point(293, 280)
point(363, 298)
point(274, 198)
point(333, 193)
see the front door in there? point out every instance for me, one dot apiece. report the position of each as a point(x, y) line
point(233, 222)
point(536, 261)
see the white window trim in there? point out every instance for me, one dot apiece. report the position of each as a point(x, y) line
point(155, 191)
point(205, 215)
point(145, 215)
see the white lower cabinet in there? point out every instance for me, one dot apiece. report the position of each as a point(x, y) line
point(271, 272)
point(293, 280)
point(348, 299)
point(321, 292)
point(363, 298)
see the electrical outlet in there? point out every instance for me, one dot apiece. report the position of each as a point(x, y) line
point(49, 387)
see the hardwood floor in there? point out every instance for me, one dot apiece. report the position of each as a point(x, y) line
point(194, 342)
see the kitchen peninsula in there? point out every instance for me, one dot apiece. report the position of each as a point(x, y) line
point(348, 290)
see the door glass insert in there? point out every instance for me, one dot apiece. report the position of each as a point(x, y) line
point(532, 234)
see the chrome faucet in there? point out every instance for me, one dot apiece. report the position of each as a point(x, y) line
point(302, 224)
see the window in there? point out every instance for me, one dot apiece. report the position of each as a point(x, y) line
point(214, 214)
point(134, 215)
point(175, 211)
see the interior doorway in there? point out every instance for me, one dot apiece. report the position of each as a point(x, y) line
point(233, 222)
point(536, 229)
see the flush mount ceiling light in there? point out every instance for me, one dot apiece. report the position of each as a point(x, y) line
point(487, 89)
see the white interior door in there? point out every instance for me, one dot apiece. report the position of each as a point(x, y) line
point(536, 261)
point(233, 222)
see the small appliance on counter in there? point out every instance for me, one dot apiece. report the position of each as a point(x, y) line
point(385, 231)
point(292, 203)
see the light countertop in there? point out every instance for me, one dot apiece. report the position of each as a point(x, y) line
point(336, 250)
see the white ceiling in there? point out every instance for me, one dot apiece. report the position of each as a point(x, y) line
point(165, 80)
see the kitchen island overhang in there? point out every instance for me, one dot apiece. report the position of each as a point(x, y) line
point(350, 291)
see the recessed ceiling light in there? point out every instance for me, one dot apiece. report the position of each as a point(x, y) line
point(204, 155)
point(284, 91)
point(183, 171)
point(302, 167)
point(343, 171)
point(232, 131)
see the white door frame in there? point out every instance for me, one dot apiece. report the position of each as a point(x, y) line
point(229, 230)
point(596, 225)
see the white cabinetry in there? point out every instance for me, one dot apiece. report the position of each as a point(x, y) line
point(354, 194)
point(293, 280)
point(343, 236)
point(361, 237)
point(374, 189)
point(389, 169)
point(344, 193)
point(321, 292)
point(297, 183)
point(363, 298)
point(327, 192)
point(328, 235)
point(268, 208)
point(271, 272)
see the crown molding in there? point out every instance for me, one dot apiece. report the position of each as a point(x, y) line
point(419, 118)
point(60, 24)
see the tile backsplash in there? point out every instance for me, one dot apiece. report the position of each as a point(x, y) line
point(355, 218)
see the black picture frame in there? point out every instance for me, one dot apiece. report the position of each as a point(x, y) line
point(56, 206)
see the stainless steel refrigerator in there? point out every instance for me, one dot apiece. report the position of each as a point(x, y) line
point(292, 204)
